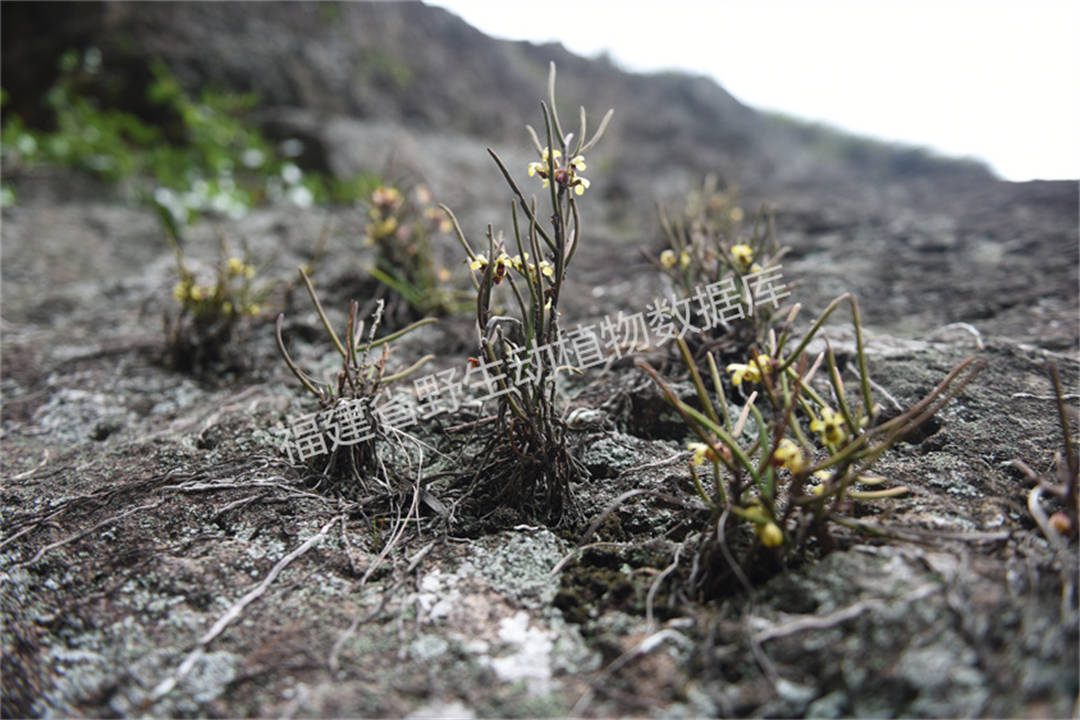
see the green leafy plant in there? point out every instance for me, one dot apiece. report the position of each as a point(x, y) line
point(526, 462)
point(347, 426)
point(794, 457)
point(708, 244)
point(214, 161)
point(401, 228)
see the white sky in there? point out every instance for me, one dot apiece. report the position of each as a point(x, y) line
point(994, 80)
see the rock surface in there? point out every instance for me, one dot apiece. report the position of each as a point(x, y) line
point(140, 505)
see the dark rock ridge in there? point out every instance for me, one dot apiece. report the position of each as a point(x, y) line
point(429, 70)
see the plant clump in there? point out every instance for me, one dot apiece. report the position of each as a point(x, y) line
point(400, 228)
point(1059, 487)
point(790, 462)
point(341, 436)
point(200, 333)
point(710, 256)
point(526, 462)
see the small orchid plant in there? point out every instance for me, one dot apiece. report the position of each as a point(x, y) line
point(788, 467)
point(521, 351)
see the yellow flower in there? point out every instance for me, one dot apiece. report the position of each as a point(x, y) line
point(226, 307)
point(684, 259)
point(235, 266)
point(382, 229)
point(501, 264)
point(755, 513)
point(541, 168)
point(521, 262)
point(196, 292)
point(479, 263)
point(771, 535)
point(743, 255)
point(703, 452)
point(566, 177)
point(789, 455)
point(181, 291)
point(830, 427)
point(252, 309)
point(668, 259)
point(1061, 523)
point(750, 372)
point(386, 197)
point(699, 449)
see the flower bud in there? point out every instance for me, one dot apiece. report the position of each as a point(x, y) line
point(771, 535)
point(1060, 522)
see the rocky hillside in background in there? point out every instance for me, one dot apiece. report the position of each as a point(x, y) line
point(425, 69)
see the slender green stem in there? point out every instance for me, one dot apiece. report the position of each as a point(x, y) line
point(695, 376)
point(396, 334)
point(715, 372)
point(576, 235)
point(599, 132)
point(700, 489)
point(765, 447)
point(689, 412)
point(521, 304)
point(809, 390)
point(554, 112)
point(864, 375)
point(401, 374)
point(838, 390)
point(813, 331)
point(300, 375)
point(322, 314)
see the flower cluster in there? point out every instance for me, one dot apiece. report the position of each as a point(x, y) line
point(669, 259)
point(743, 255)
point(519, 263)
point(401, 226)
point(566, 176)
point(385, 204)
point(218, 298)
point(199, 334)
point(707, 243)
point(750, 371)
point(794, 453)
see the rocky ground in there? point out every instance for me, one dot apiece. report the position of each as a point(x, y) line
point(160, 555)
point(142, 505)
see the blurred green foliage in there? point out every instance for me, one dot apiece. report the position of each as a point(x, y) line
point(219, 162)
